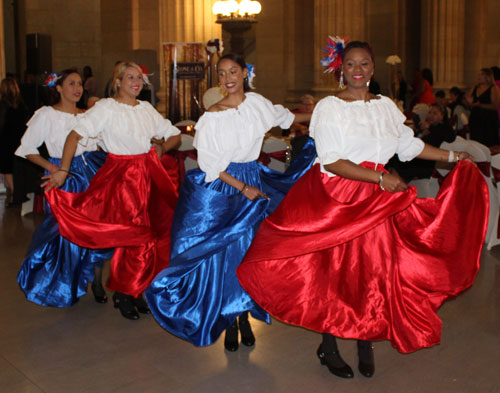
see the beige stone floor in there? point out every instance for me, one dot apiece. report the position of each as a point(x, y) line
point(91, 348)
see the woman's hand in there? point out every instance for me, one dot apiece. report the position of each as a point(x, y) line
point(392, 182)
point(55, 179)
point(159, 151)
point(463, 155)
point(253, 193)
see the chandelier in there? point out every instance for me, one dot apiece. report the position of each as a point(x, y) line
point(231, 10)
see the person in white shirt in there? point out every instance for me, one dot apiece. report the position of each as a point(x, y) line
point(220, 208)
point(130, 202)
point(363, 258)
point(55, 271)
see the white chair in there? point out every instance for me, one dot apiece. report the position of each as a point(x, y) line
point(494, 240)
point(187, 144)
point(421, 110)
point(426, 188)
point(27, 207)
point(3, 189)
point(183, 123)
point(481, 154)
point(272, 144)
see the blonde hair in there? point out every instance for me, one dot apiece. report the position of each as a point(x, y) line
point(9, 92)
point(118, 73)
point(307, 97)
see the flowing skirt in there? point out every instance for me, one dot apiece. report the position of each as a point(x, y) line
point(129, 206)
point(55, 272)
point(346, 258)
point(198, 296)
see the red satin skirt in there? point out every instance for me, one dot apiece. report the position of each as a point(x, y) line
point(344, 257)
point(129, 206)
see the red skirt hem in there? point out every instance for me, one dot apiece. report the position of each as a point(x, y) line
point(344, 257)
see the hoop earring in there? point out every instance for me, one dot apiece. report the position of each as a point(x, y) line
point(341, 79)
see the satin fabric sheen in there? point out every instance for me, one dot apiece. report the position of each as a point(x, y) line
point(55, 272)
point(344, 257)
point(198, 296)
point(128, 205)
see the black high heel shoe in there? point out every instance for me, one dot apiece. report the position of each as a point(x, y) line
point(247, 337)
point(99, 293)
point(141, 305)
point(330, 359)
point(126, 305)
point(366, 365)
point(231, 339)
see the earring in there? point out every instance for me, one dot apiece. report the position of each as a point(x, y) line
point(341, 79)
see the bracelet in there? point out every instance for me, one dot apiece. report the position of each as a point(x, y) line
point(245, 186)
point(458, 156)
point(64, 170)
point(380, 180)
point(52, 167)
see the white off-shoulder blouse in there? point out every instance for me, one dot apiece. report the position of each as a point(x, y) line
point(361, 131)
point(124, 129)
point(236, 135)
point(51, 127)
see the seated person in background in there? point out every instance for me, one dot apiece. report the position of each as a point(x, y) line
point(435, 130)
point(459, 114)
point(299, 132)
point(442, 101)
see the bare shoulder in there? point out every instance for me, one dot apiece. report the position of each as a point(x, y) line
point(220, 106)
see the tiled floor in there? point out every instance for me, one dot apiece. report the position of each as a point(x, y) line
point(91, 348)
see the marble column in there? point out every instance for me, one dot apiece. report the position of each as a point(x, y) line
point(335, 17)
point(442, 41)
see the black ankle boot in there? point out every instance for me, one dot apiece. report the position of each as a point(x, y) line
point(247, 337)
point(126, 305)
point(99, 293)
point(141, 305)
point(335, 363)
point(366, 363)
point(231, 339)
point(329, 355)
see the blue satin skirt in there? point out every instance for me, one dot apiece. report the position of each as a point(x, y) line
point(198, 296)
point(56, 272)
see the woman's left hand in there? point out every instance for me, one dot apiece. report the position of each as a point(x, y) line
point(54, 180)
point(253, 193)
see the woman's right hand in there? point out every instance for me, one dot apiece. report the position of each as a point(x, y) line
point(55, 179)
point(392, 182)
point(253, 193)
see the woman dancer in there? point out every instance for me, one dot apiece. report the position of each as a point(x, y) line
point(363, 258)
point(55, 271)
point(219, 210)
point(129, 203)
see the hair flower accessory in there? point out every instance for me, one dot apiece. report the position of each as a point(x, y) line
point(145, 74)
point(251, 75)
point(214, 46)
point(334, 52)
point(51, 79)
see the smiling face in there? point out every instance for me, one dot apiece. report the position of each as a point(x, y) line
point(71, 88)
point(358, 68)
point(131, 83)
point(231, 76)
